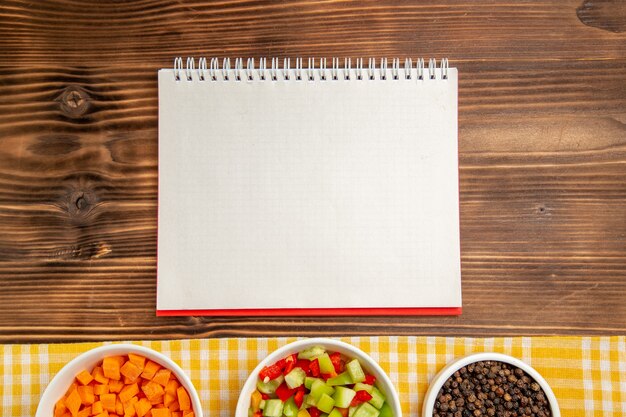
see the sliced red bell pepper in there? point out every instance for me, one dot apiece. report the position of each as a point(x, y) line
point(314, 366)
point(281, 363)
point(370, 379)
point(284, 392)
point(335, 358)
point(360, 397)
point(299, 398)
point(330, 375)
point(290, 363)
point(289, 367)
point(287, 364)
point(270, 372)
point(343, 411)
point(265, 396)
point(304, 365)
point(314, 412)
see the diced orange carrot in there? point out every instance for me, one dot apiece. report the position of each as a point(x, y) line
point(132, 400)
point(100, 389)
point(142, 407)
point(96, 408)
point(128, 386)
point(183, 399)
point(174, 406)
point(85, 412)
point(108, 402)
point(129, 409)
point(73, 402)
point(128, 392)
point(152, 390)
point(84, 377)
point(60, 408)
point(98, 375)
point(161, 412)
point(162, 377)
point(169, 398)
point(172, 386)
point(119, 407)
point(71, 388)
point(87, 396)
point(130, 371)
point(150, 369)
point(111, 367)
point(138, 360)
point(156, 400)
point(121, 359)
point(115, 386)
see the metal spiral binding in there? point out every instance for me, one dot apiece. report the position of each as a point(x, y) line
point(312, 72)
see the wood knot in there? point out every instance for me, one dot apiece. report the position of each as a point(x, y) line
point(609, 15)
point(80, 203)
point(541, 209)
point(74, 101)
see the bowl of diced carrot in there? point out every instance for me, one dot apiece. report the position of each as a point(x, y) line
point(120, 380)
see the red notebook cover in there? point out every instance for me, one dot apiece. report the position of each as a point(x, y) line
point(284, 312)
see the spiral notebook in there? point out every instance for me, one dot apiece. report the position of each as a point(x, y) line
point(296, 188)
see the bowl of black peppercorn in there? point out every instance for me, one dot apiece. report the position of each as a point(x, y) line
point(489, 385)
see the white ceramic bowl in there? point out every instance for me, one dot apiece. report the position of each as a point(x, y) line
point(88, 360)
point(382, 380)
point(451, 368)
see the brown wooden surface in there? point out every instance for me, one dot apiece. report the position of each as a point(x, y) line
point(542, 137)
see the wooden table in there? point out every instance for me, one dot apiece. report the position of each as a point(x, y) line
point(542, 137)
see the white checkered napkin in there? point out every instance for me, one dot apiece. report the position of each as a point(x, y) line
point(587, 374)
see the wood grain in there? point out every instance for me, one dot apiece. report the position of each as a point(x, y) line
point(542, 138)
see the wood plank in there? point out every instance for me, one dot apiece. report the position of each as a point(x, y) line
point(542, 139)
point(78, 33)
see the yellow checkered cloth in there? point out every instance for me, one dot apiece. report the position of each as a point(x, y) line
point(587, 374)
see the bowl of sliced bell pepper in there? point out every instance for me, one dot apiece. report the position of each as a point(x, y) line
point(318, 377)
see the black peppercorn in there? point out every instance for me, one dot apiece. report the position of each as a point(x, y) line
point(491, 389)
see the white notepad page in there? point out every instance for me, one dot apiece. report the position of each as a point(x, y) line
point(308, 194)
